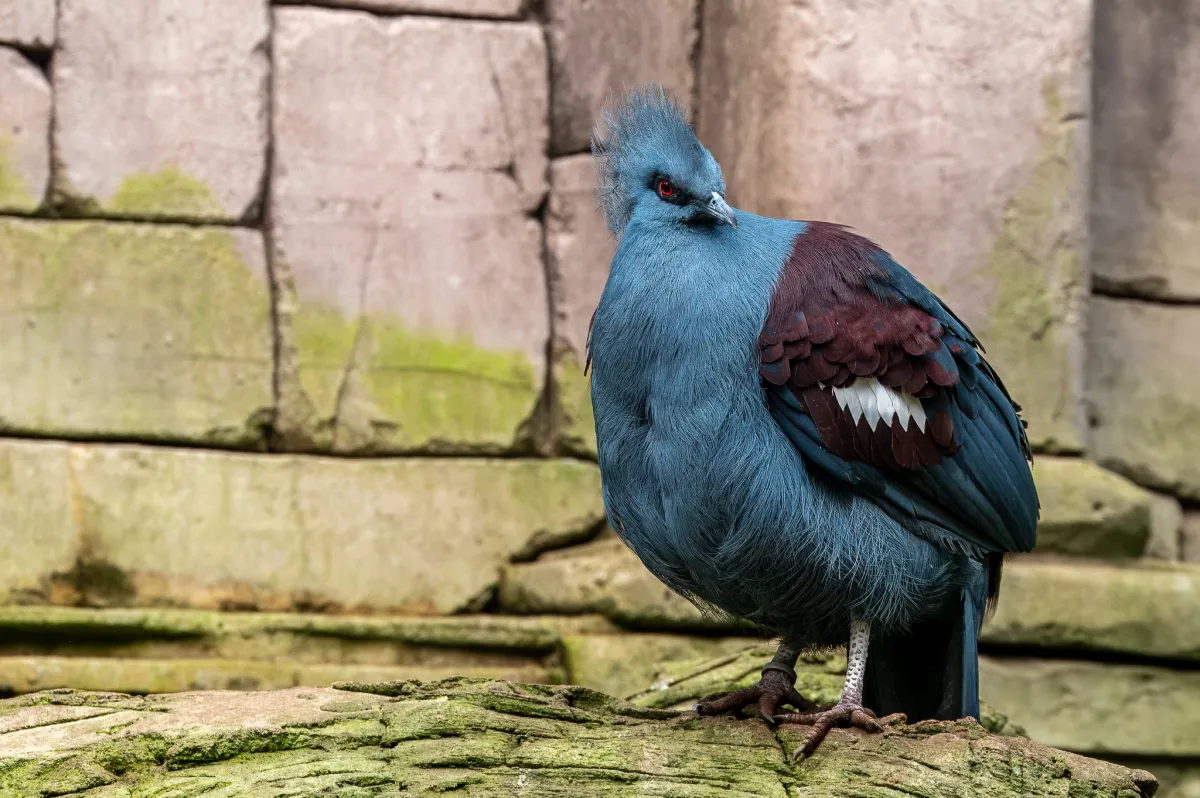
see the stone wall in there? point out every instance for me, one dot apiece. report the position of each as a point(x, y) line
point(294, 297)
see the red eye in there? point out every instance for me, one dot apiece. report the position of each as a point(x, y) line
point(665, 189)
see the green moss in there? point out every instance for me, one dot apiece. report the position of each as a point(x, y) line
point(218, 746)
point(577, 426)
point(1163, 439)
point(1088, 511)
point(167, 193)
point(14, 194)
point(1037, 264)
point(482, 738)
point(159, 332)
point(388, 387)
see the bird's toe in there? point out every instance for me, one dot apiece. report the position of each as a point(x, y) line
point(842, 714)
point(774, 690)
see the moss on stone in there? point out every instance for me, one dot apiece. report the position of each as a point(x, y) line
point(160, 332)
point(1037, 264)
point(382, 386)
point(1160, 453)
point(168, 193)
point(819, 677)
point(14, 194)
point(1143, 610)
point(626, 664)
point(1088, 511)
point(483, 738)
point(577, 426)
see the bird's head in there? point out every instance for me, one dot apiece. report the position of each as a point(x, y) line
point(653, 164)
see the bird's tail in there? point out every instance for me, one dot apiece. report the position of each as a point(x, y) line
point(931, 670)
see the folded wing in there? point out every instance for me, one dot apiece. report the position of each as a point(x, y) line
point(882, 387)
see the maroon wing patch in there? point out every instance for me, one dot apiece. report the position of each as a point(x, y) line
point(858, 362)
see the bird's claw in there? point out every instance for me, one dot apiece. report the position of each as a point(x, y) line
point(841, 714)
point(775, 689)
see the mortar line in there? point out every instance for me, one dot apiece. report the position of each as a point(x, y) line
point(47, 214)
point(396, 13)
point(114, 441)
point(1130, 295)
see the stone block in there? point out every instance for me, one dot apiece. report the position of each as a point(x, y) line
point(1071, 705)
point(409, 159)
point(426, 646)
point(28, 23)
point(37, 527)
point(1145, 407)
point(963, 159)
point(1166, 528)
point(600, 49)
point(483, 9)
point(1146, 611)
point(1088, 511)
point(626, 664)
point(161, 108)
point(24, 133)
point(28, 674)
point(604, 577)
point(216, 530)
point(679, 685)
point(1189, 539)
point(579, 249)
point(1145, 209)
point(157, 332)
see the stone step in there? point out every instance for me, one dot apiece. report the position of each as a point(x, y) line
point(142, 676)
point(1147, 611)
point(109, 525)
point(248, 634)
point(145, 650)
point(1088, 511)
point(1144, 610)
point(1103, 709)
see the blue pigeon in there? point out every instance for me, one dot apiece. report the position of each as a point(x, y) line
point(796, 432)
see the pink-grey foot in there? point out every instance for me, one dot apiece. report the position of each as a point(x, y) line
point(848, 711)
point(776, 688)
point(840, 714)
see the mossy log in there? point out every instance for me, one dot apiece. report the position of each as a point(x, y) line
point(475, 737)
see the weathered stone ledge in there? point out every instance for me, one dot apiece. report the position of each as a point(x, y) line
point(143, 650)
point(1098, 708)
point(108, 525)
point(480, 737)
point(1143, 609)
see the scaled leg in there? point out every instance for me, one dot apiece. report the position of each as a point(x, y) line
point(848, 711)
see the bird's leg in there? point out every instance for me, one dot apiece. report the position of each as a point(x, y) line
point(848, 711)
point(776, 688)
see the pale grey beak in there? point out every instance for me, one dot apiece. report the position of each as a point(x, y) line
point(719, 209)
